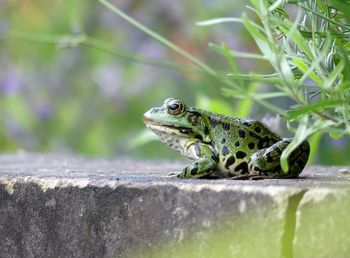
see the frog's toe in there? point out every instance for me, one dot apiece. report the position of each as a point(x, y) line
point(173, 173)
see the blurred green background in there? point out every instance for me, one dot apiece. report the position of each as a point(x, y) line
point(60, 95)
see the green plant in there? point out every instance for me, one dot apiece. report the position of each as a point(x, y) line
point(309, 54)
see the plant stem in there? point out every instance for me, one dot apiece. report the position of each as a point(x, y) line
point(160, 39)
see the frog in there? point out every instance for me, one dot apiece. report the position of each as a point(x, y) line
point(222, 146)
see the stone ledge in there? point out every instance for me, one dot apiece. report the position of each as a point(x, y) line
point(62, 206)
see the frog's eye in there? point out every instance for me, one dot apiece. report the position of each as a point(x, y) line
point(168, 100)
point(175, 107)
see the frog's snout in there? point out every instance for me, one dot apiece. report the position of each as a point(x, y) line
point(146, 114)
point(151, 113)
point(147, 117)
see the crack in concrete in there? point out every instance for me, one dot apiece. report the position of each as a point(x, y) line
point(290, 225)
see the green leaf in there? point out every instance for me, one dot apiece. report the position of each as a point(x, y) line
point(300, 135)
point(328, 19)
point(314, 142)
point(305, 68)
point(276, 5)
point(290, 30)
point(341, 5)
point(265, 95)
point(269, 95)
point(260, 39)
point(305, 129)
point(236, 54)
point(286, 71)
point(336, 135)
point(317, 63)
point(332, 77)
point(310, 108)
point(233, 64)
point(345, 57)
point(270, 78)
point(218, 21)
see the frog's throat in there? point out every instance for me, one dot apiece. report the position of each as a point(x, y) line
point(175, 137)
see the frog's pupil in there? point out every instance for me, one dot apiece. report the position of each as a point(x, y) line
point(174, 106)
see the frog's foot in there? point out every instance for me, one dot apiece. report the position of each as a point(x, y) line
point(205, 162)
point(200, 168)
point(173, 174)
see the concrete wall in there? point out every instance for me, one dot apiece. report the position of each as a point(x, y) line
point(58, 206)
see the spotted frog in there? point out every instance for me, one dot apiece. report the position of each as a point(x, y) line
point(223, 146)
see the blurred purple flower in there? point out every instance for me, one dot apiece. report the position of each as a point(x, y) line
point(151, 49)
point(44, 110)
point(339, 143)
point(109, 78)
point(309, 82)
point(10, 84)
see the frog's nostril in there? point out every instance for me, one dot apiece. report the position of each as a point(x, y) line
point(150, 114)
point(145, 115)
point(156, 110)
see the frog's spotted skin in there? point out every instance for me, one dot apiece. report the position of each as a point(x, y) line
point(223, 146)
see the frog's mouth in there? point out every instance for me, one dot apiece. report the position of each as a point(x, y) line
point(166, 127)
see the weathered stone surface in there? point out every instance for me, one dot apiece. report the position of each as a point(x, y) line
point(59, 206)
point(323, 223)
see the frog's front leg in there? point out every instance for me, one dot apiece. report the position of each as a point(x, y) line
point(266, 162)
point(205, 161)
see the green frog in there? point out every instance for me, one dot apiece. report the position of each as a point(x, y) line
point(223, 146)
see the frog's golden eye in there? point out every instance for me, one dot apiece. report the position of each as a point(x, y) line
point(175, 107)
